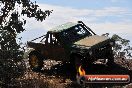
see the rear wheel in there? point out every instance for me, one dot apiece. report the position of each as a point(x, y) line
point(35, 61)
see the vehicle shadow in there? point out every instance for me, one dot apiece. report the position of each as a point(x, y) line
point(66, 71)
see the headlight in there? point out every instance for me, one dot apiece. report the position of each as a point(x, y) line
point(112, 48)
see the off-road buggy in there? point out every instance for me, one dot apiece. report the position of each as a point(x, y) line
point(71, 42)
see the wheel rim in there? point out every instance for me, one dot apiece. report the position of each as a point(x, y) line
point(34, 61)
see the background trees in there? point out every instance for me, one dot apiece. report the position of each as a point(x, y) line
point(11, 24)
point(122, 48)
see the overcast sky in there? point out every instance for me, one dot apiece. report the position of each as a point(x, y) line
point(102, 16)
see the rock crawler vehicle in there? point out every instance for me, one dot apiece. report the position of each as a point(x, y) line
point(71, 42)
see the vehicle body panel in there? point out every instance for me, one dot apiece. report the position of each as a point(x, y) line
point(91, 40)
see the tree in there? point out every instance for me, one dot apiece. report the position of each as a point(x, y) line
point(121, 47)
point(11, 24)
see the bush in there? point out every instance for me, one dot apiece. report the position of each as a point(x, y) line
point(9, 70)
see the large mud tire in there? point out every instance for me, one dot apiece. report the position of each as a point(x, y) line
point(110, 57)
point(35, 61)
point(76, 61)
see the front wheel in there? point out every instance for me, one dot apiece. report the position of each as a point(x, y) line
point(110, 58)
point(35, 61)
point(76, 62)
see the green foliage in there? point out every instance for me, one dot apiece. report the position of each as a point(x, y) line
point(11, 24)
point(122, 47)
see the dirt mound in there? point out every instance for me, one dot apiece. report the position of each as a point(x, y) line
point(40, 80)
point(127, 63)
point(60, 76)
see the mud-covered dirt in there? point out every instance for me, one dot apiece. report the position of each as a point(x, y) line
point(60, 76)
